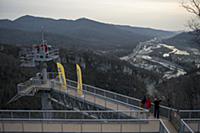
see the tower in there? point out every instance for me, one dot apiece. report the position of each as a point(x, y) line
point(37, 55)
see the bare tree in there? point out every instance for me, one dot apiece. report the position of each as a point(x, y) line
point(193, 6)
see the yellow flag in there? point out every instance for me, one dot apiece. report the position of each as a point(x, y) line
point(80, 84)
point(61, 74)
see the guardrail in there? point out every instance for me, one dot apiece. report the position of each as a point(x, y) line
point(108, 94)
point(164, 111)
point(83, 126)
point(34, 81)
point(102, 103)
point(163, 128)
point(190, 125)
point(177, 115)
point(189, 113)
point(69, 114)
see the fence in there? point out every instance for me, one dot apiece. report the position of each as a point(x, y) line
point(69, 114)
point(164, 111)
point(190, 125)
point(108, 94)
point(177, 115)
point(83, 126)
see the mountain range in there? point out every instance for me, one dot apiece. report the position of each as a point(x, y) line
point(82, 32)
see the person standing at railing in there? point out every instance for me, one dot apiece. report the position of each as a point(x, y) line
point(143, 102)
point(148, 103)
point(156, 107)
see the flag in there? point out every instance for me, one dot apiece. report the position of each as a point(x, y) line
point(61, 74)
point(80, 84)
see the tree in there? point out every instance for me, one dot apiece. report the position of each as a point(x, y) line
point(193, 6)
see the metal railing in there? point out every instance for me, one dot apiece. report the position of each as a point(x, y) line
point(108, 95)
point(133, 102)
point(164, 110)
point(83, 125)
point(31, 82)
point(69, 114)
point(190, 125)
point(177, 115)
point(189, 113)
point(163, 128)
point(101, 101)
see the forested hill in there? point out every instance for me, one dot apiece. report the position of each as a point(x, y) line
point(182, 92)
point(98, 70)
point(82, 32)
point(10, 75)
point(184, 40)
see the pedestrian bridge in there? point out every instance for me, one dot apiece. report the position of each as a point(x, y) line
point(98, 110)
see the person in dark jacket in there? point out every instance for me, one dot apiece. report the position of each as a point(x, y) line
point(156, 107)
point(143, 102)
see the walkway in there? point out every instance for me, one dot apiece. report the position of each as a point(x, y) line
point(107, 99)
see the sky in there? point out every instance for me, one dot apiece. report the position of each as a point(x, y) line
point(159, 14)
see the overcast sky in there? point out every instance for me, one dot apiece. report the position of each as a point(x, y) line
point(160, 14)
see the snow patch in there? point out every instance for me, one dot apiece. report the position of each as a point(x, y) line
point(146, 57)
point(170, 74)
point(174, 50)
point(125, 58)
point(166, 55)
point(195, 51)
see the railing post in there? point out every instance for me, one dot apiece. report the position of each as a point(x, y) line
point(22, 126)
point(42, 126)
point(120, 127)
point(169, 114)
point(139, 127)
point(29, 115)
point(3, 128)
point(182, 128)
point(118, 116)
point(81, 126)
point(101, 128)
point(105, 103)
point(190, 114)
point(11, 115)
point(160, 127)
point(62, 127)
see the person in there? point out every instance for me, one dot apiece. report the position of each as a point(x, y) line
point(148, 103)
point(143, 102)
point(156, 107)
